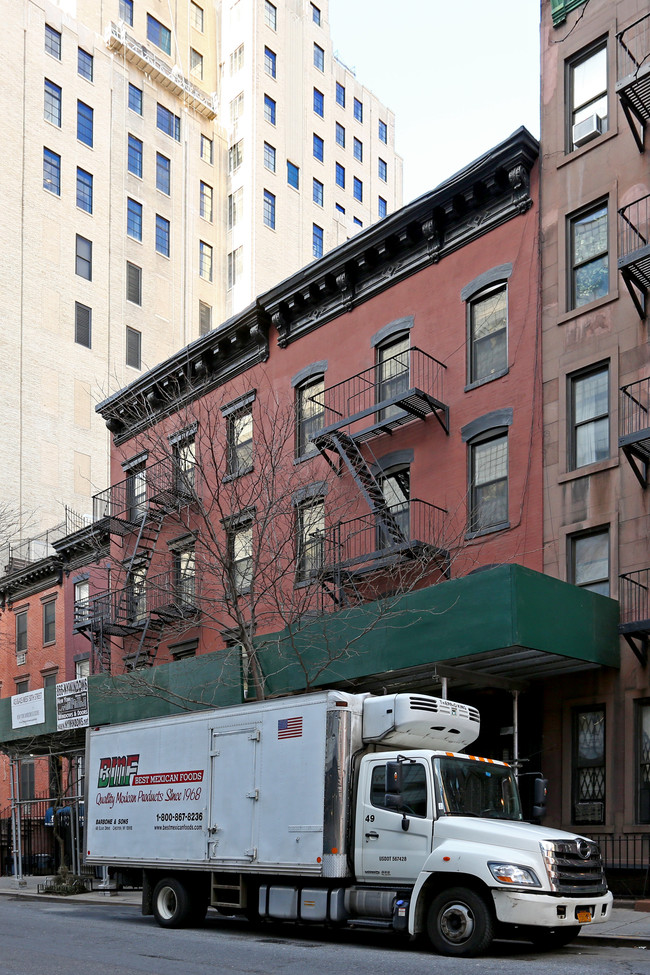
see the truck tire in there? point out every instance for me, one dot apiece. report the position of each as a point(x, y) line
point(460, 923)
point(548, 939)
point(172, 904)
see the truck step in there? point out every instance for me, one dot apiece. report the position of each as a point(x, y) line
point(369, 922)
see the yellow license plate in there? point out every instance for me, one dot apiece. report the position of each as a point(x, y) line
point(583, 917)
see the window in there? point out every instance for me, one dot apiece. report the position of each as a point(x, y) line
point(84, 258)
point(205, 260)
point(162, 235)
point(81, 601)
point(159, 35)
point(185, 577)
point(589, 256)
point(310, 415)
point(135, 156)
point(393, 373)
point(196, 64)
point(310, 533)
point(196, 16)
point(589, 413)
point(52, 42)
point(319, 102)
point(82, 325)
point(237, 107)
point(85, 123)
point(205, 201)
point(235, 266)
point(487, 324)
point(84, 64)
point(51, 171)
point(21, 632)
point(319, 148)
point(589, 561)
point(587, 97)
point(168, 123)
point(383, 132)
point(239, 433)
point(126, 12)
point(315, 14)
point(317, 192)
point(163, 173)
point(22, 686)
point(205, 318)
point(293, 175)
point(84, 190)
point(357, 189)
point(133, 283)
point(269, 157)
point(49, 621)
point(184, 455)
point(270, 62)
point(270, 15)
point(82, 668)
point(269, 109)
point(235, 156)
point(339, 208)
point(317, 240)
point(340, 175)
point(382, 207)
point(396, 488)
point(240, 545)
point(135, 99)
point(340, 94)
point(358, 110)
point(357, 222)
point(340, 135)
point(414, 788)
point(382, 170)
point(134, 219)
point(235, 207)
point(589, 765)
point(269, 209)
point(49, 680)
point(133, 359)
point(207, 149)
point(319, 57)
point(488, 483)
point(137, 594)
point(642, 717)
point(27, 787)
point(52, 108)
point(237, 59)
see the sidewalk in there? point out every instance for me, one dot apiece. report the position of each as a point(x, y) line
point(626, 926)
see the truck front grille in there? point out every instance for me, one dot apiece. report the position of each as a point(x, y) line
point(574, 866)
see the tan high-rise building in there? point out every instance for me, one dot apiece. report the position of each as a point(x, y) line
point(164, 164)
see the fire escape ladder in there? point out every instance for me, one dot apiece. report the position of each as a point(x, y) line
point(365, 480)
point(147, 645)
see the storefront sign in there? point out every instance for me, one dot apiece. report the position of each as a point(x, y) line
point(72, 704)
point(27, 709)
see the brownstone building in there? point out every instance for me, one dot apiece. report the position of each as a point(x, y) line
point(595, 224)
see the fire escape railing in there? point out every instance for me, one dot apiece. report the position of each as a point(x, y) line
point(634, 250)
point(633, 76)
point(634, 600)
point(634, 435)
point(123, 611)
point(165, 485)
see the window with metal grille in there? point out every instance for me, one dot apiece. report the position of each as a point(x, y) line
point(133, 283)
point(51, 171)
point(82, 324)
point(133, 347)
point(589, 765)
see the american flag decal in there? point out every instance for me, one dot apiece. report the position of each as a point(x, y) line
point(290, 728)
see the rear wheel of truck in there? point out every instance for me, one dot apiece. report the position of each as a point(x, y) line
point(172, 904)
point(460, 923)
point(547, 939)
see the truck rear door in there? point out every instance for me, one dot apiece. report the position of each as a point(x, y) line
point(232, 818)
point(384, 850)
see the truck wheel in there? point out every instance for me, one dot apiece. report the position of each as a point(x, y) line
point(172, 905)
point(459, 923)
point(547, 939)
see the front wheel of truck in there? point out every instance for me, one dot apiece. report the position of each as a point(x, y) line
point(460, 923)
point(172, 904)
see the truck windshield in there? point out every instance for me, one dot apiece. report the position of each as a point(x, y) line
point(470, 788)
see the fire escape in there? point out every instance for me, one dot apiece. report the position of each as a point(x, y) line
point(634, 441)
point(134, 512)
point(398, 390)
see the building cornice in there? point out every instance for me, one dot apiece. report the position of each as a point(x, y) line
point(30, 579)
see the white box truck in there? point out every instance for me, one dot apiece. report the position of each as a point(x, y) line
point(336, 808)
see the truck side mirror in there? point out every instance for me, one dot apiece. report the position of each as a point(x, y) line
point(394, 778)
point(540, 790)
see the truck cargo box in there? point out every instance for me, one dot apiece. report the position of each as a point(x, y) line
point(248, 788)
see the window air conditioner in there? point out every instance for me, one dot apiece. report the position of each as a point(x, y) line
point(586, 130)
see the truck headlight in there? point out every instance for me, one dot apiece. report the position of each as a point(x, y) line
point(512, 873)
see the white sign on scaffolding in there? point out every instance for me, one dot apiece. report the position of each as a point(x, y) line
point(27, 709)
point(72, 704)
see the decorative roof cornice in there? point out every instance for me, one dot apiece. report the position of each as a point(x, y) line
point(31, 578)
point(488, 192)
point(88, 544)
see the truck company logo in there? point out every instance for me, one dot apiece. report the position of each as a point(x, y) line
point(117, 770)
